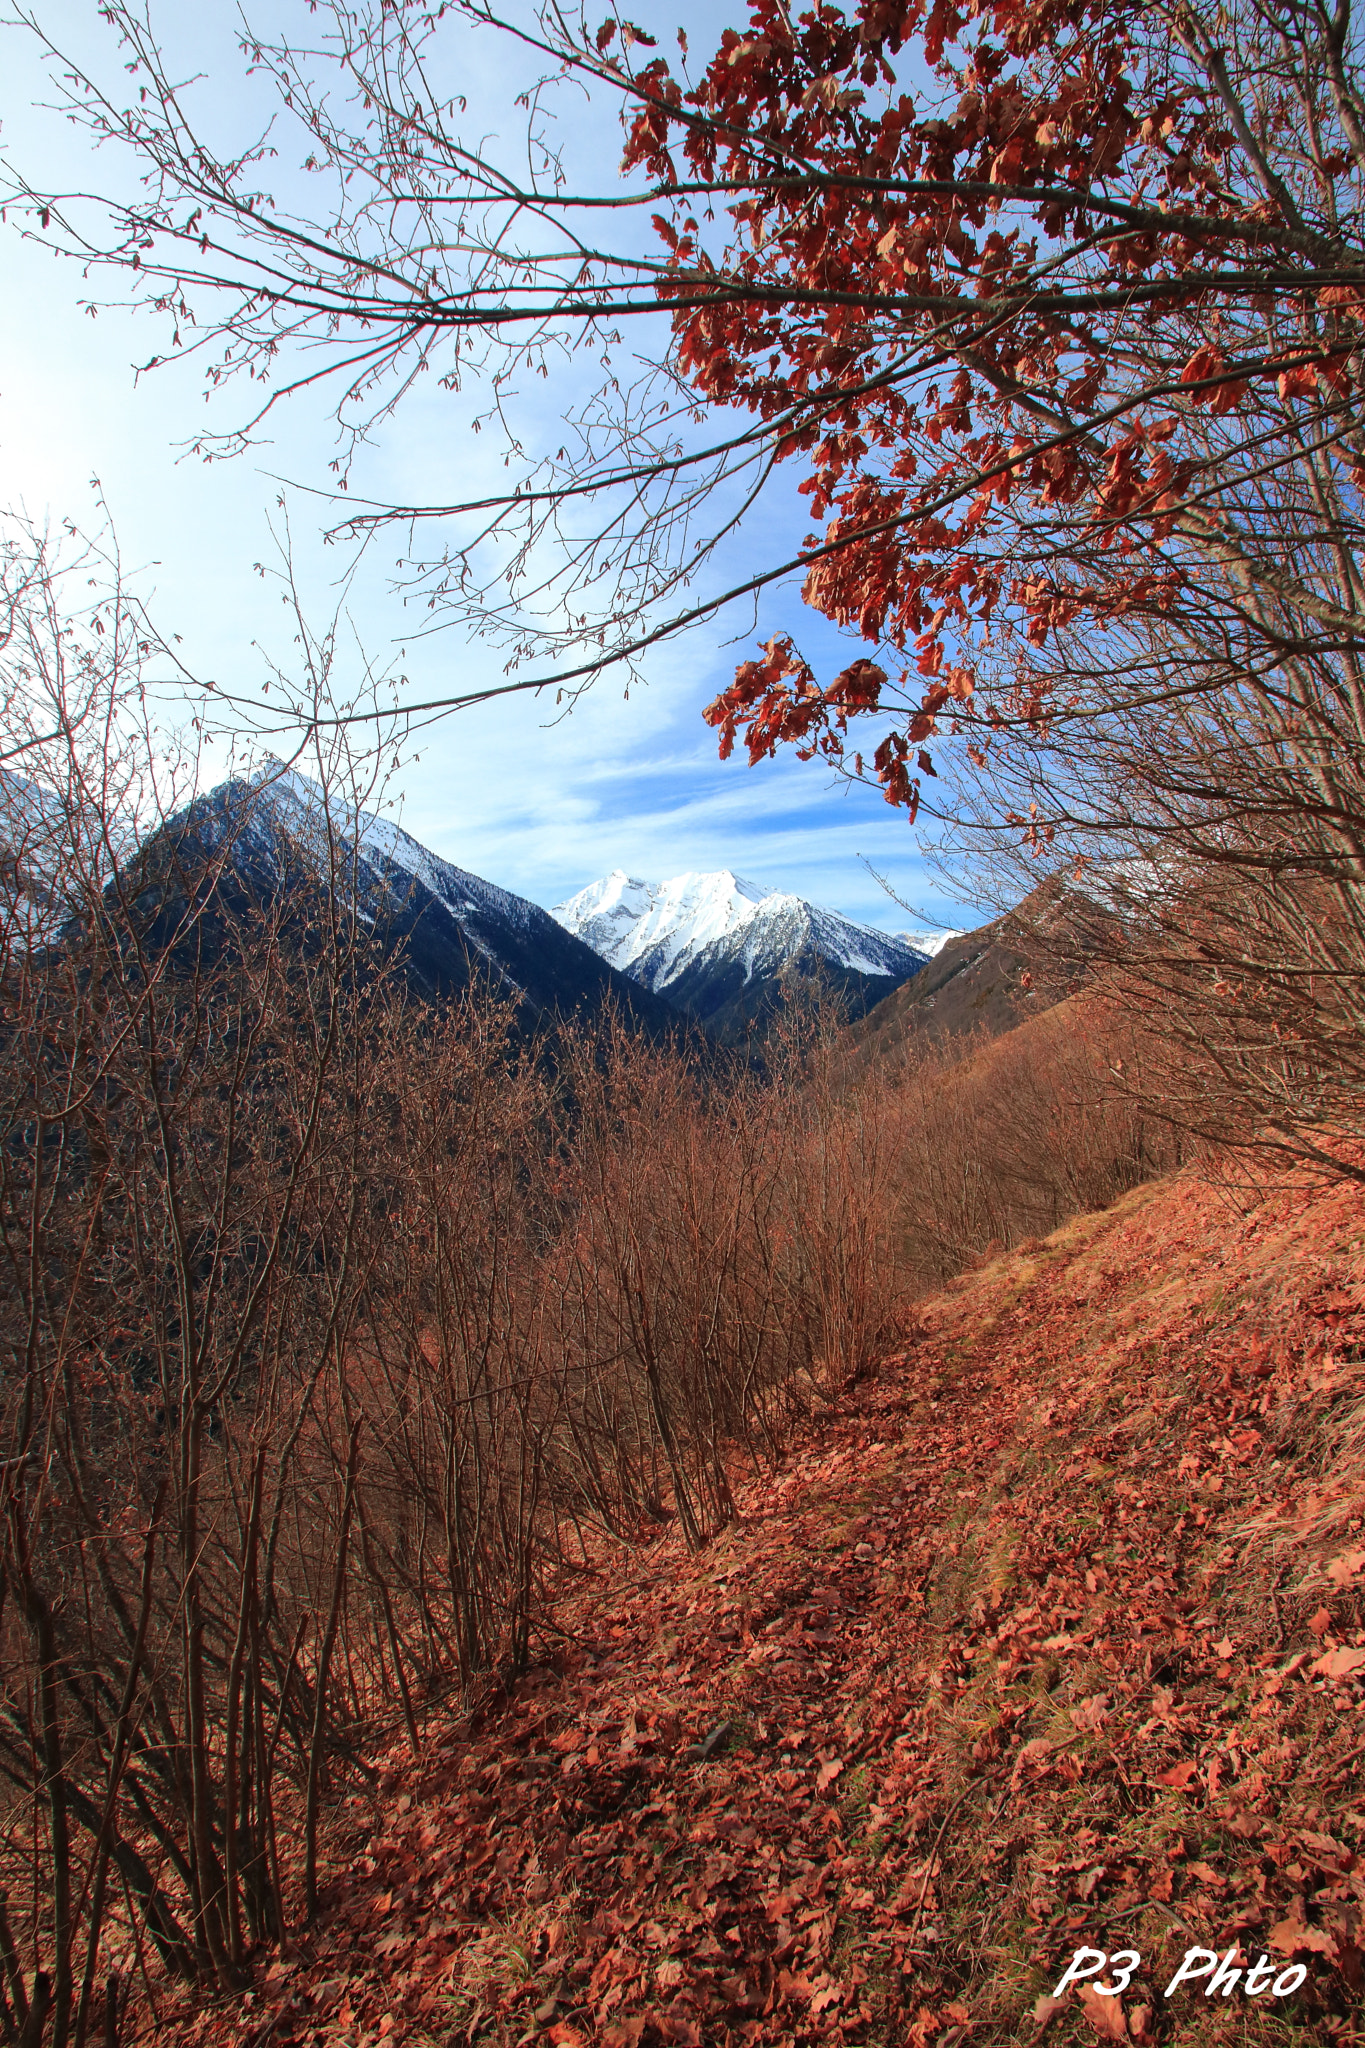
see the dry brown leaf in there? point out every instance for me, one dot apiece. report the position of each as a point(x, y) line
point(1342, 1663)
point(1288, 1936)
point(1104, 2014)
point(624, 2033)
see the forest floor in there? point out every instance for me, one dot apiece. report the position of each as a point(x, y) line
point(1046, 1635)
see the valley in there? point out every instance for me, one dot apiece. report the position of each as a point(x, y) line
point(1045, 1632)
point(642, 1460)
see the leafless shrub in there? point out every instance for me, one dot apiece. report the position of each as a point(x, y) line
point(330, 1328)
point(1006, 1141)
point(723, 1247)
point(325, 1325)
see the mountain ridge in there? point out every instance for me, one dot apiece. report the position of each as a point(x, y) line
point(720, 948)
point(443, 923)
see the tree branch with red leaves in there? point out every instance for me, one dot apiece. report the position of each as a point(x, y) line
point(1049, 318)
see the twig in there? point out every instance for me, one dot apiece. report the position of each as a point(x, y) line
point(972, 1785)
point(1340, 1765)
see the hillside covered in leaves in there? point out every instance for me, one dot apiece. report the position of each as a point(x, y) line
point(1047, 1634)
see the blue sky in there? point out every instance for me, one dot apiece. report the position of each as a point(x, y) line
point(536, 804)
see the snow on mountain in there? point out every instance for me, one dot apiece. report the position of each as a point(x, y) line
point(284, 801)
point(35, 857)
point(277, 830)
point(718, 946)
point(931, 944)
point(56, 850)
point(651, 929)
point(657, 931)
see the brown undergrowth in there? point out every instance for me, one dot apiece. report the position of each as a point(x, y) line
point(1048, 1632)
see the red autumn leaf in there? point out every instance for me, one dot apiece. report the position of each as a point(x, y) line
point(1299, 382)
point(677, 2027)
point(624, 2033)
point(1204, 363)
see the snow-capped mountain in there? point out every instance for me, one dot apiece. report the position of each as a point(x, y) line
point(53, 855)
point(34, 861)
point(718, 947)
point(931, 944)
point(274, 830)
point(649, 929)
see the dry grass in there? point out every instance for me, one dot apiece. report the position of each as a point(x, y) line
point(1077, 1533)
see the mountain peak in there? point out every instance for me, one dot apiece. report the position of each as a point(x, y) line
point(625, 918)
point(718, 944)
point(446, 925)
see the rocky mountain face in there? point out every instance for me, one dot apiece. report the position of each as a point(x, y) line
point(980, 982)
point(447, 926)
point(719, 948)
point(711, 948)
